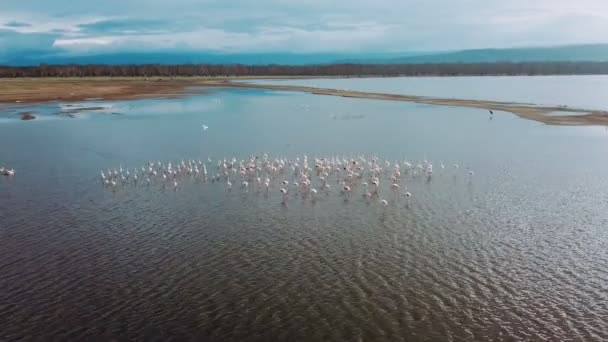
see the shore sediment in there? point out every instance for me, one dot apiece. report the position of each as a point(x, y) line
point(33, 90)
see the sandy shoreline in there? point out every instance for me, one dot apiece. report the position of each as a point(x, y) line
point(35, 90)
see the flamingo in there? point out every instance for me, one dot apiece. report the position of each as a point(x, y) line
point(296, 173)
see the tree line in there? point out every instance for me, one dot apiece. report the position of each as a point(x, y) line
point(352, 70)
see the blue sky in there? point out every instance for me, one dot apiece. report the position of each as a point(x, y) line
point(87, 27)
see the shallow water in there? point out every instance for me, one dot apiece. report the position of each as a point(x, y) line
point(584, 92)
point(517, 252)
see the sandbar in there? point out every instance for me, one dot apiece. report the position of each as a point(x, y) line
point(35, 90)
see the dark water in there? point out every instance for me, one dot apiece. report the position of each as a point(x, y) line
point(520, 252)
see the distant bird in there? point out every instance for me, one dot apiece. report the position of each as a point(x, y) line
point(228, 184)
point(205, 127)
point(491, 112)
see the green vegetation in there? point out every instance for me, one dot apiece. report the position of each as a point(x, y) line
point(352, 70)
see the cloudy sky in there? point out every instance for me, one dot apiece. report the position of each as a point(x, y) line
point(306, 26)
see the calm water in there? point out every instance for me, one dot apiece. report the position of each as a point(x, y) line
point(519, 252)
point(586, 92)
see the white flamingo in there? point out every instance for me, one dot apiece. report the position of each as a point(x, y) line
point(264, 171)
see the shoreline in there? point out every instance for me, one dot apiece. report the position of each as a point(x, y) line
point(543, 114)
point(40, 90)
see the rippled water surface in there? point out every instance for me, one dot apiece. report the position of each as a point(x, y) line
point(519, 251)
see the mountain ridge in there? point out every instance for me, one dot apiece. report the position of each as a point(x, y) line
point(566, 53)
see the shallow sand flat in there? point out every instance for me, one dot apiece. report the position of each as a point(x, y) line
point(544, 114)
point(31, 90)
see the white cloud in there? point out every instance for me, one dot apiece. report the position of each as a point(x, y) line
point(83, 42)
point(307, 25)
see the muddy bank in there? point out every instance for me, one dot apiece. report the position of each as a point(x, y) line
point(544, 114)
point(70, 89)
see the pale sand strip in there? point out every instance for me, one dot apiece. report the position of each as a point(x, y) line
point(33, 90)
point(526, 111)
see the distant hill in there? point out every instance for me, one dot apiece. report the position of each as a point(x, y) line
point(587, 53)
point(571, 53)
point(190, 57)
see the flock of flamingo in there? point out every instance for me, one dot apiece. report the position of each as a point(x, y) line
point(307, 177)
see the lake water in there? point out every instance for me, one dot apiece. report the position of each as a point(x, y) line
point(519, 251)
point(585, 92)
